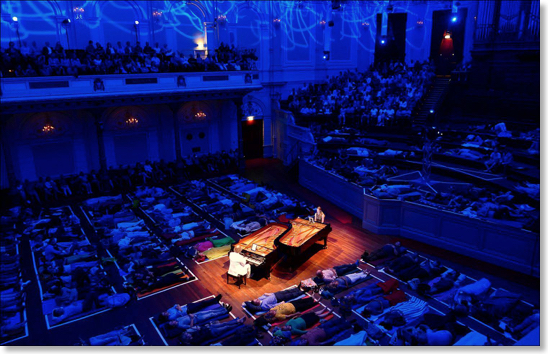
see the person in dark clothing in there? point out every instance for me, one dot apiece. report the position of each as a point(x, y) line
point(199, 335)
point(244, 336)
point(269, 300)
point(324, 332)
point(427, 269)
point(386, 251)
point(193, 307)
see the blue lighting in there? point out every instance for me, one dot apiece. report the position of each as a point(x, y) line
point(431, 111)
point(382, 41)
point(454, 19)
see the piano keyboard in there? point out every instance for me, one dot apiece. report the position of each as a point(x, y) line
point(253, 259)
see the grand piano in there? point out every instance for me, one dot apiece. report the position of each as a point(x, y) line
point(302, 235)
point(259, 248)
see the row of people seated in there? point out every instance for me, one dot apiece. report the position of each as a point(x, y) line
point(70, 273)
point(375, 97)
point(144, 261)
point(12, 287)
point(28, 61)
point(49, 190)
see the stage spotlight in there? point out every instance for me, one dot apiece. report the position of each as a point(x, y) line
point(454, 19)
point(326, 54)
point(383, 41)
point(432, 111)
point(136, 22)
point(15, 19)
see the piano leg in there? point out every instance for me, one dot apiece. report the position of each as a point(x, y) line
point(325, 243)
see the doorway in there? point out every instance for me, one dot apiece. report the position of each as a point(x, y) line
point(447, 45)
point(252, 133)
point(392, 46)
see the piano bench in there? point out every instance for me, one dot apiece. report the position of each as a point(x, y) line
point(240, 279)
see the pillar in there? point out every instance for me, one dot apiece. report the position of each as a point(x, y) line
point(12, 179)
point(239, 114)
point(174, 107)
point(98, 116)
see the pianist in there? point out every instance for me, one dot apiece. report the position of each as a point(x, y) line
point(270, 300)
point(319, 216)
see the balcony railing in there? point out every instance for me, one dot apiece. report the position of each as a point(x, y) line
point(64, 87)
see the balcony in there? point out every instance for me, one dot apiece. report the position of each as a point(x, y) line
point(46, 90)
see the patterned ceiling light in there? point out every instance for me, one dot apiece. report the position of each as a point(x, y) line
point(48, 127)
point(130, 120)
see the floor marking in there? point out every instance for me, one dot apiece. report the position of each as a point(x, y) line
point(158, 331)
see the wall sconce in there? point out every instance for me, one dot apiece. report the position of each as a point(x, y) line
point(157, 15)
point(78, 13)
point(130, 120)
point(322, 23)
point(221, 19)
point(200, 115)
point(420, 22)
point(365, 24)
point(277, 22)
point(48, 127)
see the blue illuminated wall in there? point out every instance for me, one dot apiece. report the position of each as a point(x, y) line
point(286, 34)
point(290, 38)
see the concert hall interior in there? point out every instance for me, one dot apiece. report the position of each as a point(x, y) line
point(270, 173)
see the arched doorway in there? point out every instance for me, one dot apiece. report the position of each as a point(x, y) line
point(252, 130)
point(447, 43)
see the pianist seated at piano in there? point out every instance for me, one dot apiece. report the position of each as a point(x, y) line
point(270, 300)
point(319, 216)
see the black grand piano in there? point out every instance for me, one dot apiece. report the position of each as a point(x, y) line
point(260, 249)
point(302, 235)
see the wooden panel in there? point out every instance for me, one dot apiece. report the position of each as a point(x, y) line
point(332, 187)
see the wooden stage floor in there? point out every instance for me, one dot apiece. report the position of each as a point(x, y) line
point(346, 243)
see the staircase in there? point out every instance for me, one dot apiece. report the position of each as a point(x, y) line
point(433, 100)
